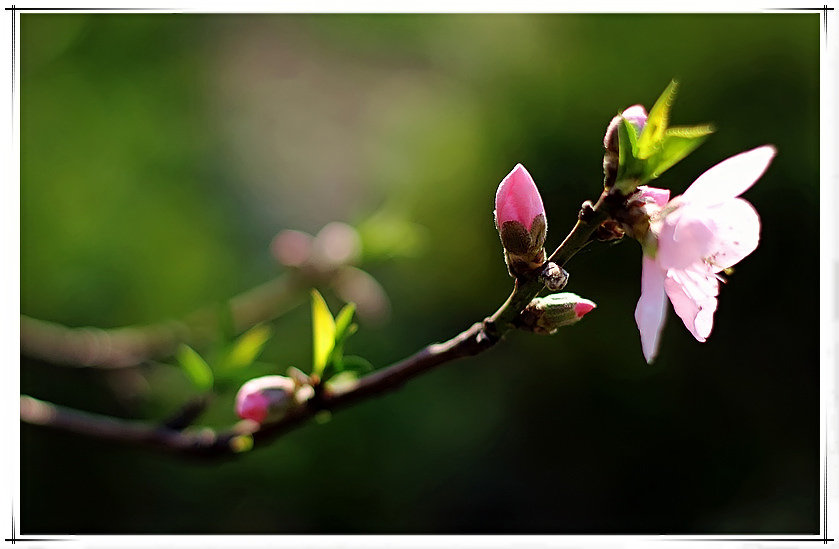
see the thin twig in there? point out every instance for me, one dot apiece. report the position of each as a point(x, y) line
point(206, 442)
point(134, 345)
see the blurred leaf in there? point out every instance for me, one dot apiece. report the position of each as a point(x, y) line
point(241, 443)
point(657, 121)
point(323, 333)
point(356, 364)
point(197, 370)
point(247, 348)
point(343, 320)
point(387, 234)
point(343, 380)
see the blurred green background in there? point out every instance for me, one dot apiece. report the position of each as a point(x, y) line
point(160, 154)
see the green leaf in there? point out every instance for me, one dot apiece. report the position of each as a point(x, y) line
point(630, 168)
point(241, 443)
point(343, 380)
point(323, 333)
point(343, 321)
point(702, 130)
point(357, 364)
point(626, 145)
point(197, 370)
point(657, 120)
point(674, 147)
point(247, 348)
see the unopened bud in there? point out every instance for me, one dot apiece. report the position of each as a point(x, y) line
point(521, 222)
point(545, 315)
point(265, 398)
point(635, 115)
point(553, 277)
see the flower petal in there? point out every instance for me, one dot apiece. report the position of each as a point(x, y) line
point(685, 238)
point(736, 233)
point(731, 177)
point(653, 195)
point(694, 298)
point(651, 308)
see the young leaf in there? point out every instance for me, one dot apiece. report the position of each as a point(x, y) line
point(323, 333)
point(357, 364)
point(657, 121)
point(343, 320)
point(196, 368)
point(629, 167)
point(247, 348)
point(626, 147)
point(674, 147)
point(344, 380)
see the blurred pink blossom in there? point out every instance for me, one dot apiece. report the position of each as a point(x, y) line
point(262, 397)
point(696, 235)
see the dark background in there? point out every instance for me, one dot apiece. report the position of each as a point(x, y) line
point(161, 153)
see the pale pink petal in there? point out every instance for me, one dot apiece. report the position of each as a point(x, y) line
point(651, 308)
point(731, 177)
point(637, 116)
point(653, 195)
point(736, 233)
point(685, 238)
point(693, 296)
point(517, 199)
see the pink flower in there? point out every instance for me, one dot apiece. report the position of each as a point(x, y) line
point(517, 199)
point(697, 235)
point(262, 397)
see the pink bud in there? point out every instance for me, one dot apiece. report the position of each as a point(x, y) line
point(545, 315)
point(584, 307)
point(262, 397)
point(517, 199)
point(635, 115)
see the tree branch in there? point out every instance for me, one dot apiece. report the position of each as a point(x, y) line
point(206, 442)
point(133, 345)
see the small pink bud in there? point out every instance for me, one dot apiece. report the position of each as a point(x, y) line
point(263, 398)
point(517, 199)
point(635, 115)
point(583, 308)
point(545, 315)
point(521, 222)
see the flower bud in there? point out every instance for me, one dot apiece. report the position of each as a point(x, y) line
point(265, 398)
point(635, 115)
point(545, 315)
point(521, 222)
